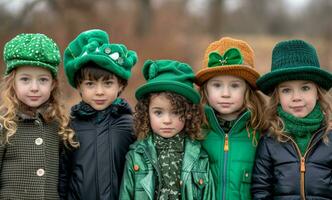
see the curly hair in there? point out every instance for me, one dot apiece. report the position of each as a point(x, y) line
point(191, 113)
point(276, 124)
point(254, 101)
point(55, 111)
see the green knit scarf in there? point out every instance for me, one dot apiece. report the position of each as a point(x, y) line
point(301, 129)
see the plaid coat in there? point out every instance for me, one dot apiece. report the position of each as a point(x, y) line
point(29, 164)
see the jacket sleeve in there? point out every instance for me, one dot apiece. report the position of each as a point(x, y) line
point(127, 189)
point(64, 173)
point(123, 126)
point(262, 176)
point(209, 193)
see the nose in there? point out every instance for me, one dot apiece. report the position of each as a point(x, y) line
point(297, 95)
point(99, 89)
point(167, 119)
point(34, 86)
point(225, 92)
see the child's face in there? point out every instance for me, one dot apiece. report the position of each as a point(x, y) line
point(298, 97)
point(225, 93)
point(99, 94)
point(33, 85)
point(164, 120)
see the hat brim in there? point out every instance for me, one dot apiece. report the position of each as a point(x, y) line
point(18, 63)
point(269, 81)
point(161, 86)
point(101, 60)
point(243, 71)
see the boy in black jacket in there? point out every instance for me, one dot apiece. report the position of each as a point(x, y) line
point(102, 122)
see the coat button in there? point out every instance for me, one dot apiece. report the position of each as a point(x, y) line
point(136, 168)
point(38, 141)
point(40, 172)
point(200, 181)
point(37, 122)
point(181, 183)
point(247, 175)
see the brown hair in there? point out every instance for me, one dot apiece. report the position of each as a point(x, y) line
point(275, 123)
point(191, 113)
point(55, 111)
point(253, 101)
point(92, 71)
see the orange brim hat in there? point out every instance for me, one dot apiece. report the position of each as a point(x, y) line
point(228, 56)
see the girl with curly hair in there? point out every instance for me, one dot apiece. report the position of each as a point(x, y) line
point(167, 161)
point(34, 126)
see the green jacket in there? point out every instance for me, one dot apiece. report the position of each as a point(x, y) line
point(141, 172)
point(231, 155)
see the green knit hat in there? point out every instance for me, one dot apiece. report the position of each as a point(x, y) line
point(294, 60)
point(94, 46)
point(168, 75)
point(33, 49)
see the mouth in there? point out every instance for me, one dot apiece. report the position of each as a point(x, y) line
point(225, 104)
point(297, 108)
point(99, 102)
point(33, 98)
point(166, 130)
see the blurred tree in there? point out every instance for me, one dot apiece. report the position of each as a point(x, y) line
point(216, 16)
point(144, 17)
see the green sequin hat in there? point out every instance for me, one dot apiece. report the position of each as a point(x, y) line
point(94, 46)
point(32, 49)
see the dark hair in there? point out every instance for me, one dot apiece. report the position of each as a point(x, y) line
point(191, 113)
point(92, 71)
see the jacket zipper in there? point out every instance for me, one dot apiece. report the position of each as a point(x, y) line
point(226, 150)
point(302, 161)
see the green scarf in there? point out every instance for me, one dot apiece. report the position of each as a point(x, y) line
point(301, 129)
point(170, 154)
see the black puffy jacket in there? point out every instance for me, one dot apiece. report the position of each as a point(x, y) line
point(280, 172)
point(94, 170)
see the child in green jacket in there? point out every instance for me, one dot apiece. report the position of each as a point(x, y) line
point(233, 108)
point(167, 161)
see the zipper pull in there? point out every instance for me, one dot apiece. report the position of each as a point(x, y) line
point(302, 166)
point(226, 148)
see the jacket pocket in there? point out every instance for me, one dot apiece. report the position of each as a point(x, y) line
point(200, 180)
point(245, 185)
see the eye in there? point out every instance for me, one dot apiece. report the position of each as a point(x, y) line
point(88, 83)
point(44, 80)
point(306, 88)
point(108, 83)
point(24, 79)
point(216, 85)
point(235, 85)
point(157, 112)
point(285, 90)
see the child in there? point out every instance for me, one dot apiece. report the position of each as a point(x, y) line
point(227, 84)
point(99, 70)
point(32, 122)
point(294, 159)
point(167, 162)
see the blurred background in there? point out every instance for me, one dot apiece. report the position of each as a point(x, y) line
point(172, 29)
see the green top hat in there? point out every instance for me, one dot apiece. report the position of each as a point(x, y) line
point(168, 75)
point(294, 60)
point(94, 46)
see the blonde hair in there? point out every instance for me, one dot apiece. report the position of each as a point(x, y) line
point(254, 101)
point(55, 111)
point(277, 126)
